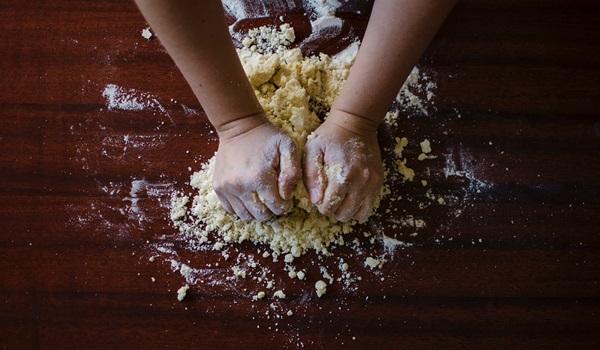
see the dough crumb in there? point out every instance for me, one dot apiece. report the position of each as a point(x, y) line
point(146, 33)
point(258, 296)
point(425, 146)
point(279, 294)
point(182, 292)
point(373, 263)
point(321, 288)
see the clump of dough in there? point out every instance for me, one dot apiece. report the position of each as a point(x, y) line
point(182, 292)
point(321, 288)
point(290, 88)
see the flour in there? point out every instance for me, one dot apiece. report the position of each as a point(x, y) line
point(325, 27)
point(417, 84)
point(118, 98)
point(321, 8)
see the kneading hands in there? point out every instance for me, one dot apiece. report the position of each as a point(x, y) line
point(258, 166)
point(257, 169)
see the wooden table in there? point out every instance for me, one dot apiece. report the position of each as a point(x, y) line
point(513, 263)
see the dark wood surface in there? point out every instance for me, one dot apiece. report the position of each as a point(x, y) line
point(517, 110)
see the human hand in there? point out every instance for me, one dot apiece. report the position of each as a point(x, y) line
point(256, 171)
point(343, 172)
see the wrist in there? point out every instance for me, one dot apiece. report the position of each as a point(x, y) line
point(354, 123)
point(241, 125)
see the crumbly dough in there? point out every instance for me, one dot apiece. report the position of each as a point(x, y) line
point(291, 88)
point(182, 292)
point(373, 262)
point(279, 294)
point(406, 172)
point(320, 288)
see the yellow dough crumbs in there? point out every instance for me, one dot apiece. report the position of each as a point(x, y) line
point(425, 150)
point(321, 288)
point(406, 172)
point(182, 292)
point(290, 88)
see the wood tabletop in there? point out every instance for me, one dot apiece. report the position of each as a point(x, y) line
point(511, 261)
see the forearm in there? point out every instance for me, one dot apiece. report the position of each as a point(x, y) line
point(195, 35)
point(397, 34)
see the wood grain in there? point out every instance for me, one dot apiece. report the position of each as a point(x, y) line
point(516, 106)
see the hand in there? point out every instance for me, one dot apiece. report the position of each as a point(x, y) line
point(256, 171)
point(343, 171)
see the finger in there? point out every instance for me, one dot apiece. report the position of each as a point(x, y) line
point(314, 175)
point(351, 204)
point(289, 168)
point(361, 186)
point(258, 210)
point(225, 203)
point(365, 210)
point(240, 209)
point(272, 200)
point(373, 192)
point(334, 196)
point(368, 203)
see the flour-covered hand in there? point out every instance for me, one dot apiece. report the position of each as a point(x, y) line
point(256, 171)
point(343, 171)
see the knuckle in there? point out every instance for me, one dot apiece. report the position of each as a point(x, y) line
point(342, 218)
point(365, 174)
point(291, 176)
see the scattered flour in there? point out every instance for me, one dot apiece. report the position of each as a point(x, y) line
point(390, 244)
point(118, 98)
point(321, 8)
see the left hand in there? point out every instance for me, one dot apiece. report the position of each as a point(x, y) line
point(343, 171)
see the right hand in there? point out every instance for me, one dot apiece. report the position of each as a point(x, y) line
point(256, 171)
point(343, 171)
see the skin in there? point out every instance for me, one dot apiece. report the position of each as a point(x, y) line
point(197, 39)
point(257, 165)
point(401, 29)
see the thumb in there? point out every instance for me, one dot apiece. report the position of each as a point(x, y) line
point(314, 178)
point(289, 168)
